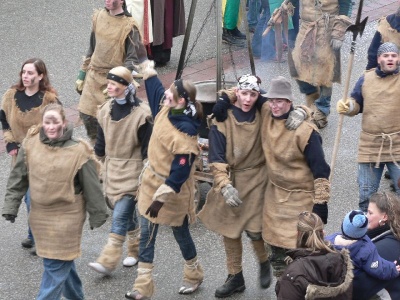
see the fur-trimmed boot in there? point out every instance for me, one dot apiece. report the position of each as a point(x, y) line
point(143, 288)
point(320, 119)
point(193, 276)
point(233, 284)
point(110, 256)
point(133, 238)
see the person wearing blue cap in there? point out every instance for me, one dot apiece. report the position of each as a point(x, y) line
point(376, 96)
point(363, 252)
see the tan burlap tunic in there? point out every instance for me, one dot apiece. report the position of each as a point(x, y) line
point(166, 141)
point(57, 214)
point(314, 59)
point(111, 33)
point(388, 34)
point(290, 188)
point(20, 121)
point(123, 162)
point(380, 135)
point(248, 175)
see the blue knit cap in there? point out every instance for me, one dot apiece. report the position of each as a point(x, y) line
point(355, 225)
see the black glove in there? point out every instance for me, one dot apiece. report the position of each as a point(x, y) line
point(322, 211)
point(10, 218)
point(220, 109)
point(154, 208)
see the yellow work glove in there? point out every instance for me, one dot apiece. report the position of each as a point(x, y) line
point(80, 80)
point(347, 107)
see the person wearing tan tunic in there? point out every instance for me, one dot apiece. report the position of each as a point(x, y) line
point(122, 139)
point(114, 41)
point(315, 60)
point(166, 190)
point(64, 187)
point(376, 96)
point(297, 172)
point(21, 108)
point(234, 204)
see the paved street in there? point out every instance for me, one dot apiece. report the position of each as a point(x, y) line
point(58, 32)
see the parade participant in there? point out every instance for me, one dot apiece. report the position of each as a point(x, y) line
point(234, 203)
point(64, 187)
point(114, 41)
point(363, 252)
point(388, 31)
point(123, 155)
point(315, 62)
point(384, 231)
point(375, 95)
point(166, 193)
point(21, 108)
point(297, 172)
point(316, 270)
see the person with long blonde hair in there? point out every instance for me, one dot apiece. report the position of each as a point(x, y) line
point(315, 269)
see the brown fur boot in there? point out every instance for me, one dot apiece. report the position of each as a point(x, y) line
point(110, 256)
point(144, 285)
point(320, 119)
point(133, 248)
point(193, 276)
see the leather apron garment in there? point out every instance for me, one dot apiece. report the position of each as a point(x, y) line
point(111, 33)
point(123, 162)
point(380, 126)
point(315, 61)
point(248, 175)
point(166, 141)
point(57, 214)
point(20, 121)
point(290, 188)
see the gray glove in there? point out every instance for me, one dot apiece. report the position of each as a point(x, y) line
point(295, 118)
point(231, 195)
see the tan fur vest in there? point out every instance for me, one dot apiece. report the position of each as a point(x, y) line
point(111, 33)
point(20, 121)
point(249, 176)
point(380, 121)
point(57, 214)
point(165, 142)
point(388, 33)
point(314, 60)
point(290, 188)
point(123, 161)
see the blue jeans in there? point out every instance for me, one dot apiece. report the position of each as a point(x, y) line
point(27, 200)
point(124, 216)
point(253, 14)
point(60, 278)
point(369, 179)
point(264, 46)
point(148, 234)
point(323, 103)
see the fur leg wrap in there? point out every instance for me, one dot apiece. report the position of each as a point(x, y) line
point(144, 283)
point(259, 250)
point(193, 271)
point(133, 243)
point(112, 251)
point(234, 252)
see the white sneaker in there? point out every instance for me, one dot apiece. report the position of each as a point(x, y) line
point(99, 268)
point(129, 261)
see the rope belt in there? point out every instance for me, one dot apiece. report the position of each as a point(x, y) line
point(384, 136)
point(291, 191)
point(232, 171)
point(147, 166)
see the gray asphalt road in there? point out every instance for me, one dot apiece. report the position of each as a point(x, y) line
point(58, 33)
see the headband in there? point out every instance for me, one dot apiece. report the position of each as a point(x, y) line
point(116, 78)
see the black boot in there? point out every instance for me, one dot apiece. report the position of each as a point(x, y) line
point(233, 284)
point(265, 274)
point(237, 34)
point(230, 39)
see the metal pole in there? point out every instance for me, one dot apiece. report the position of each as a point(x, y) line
point(219, 43)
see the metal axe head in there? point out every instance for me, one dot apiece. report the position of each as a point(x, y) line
point(357, 28)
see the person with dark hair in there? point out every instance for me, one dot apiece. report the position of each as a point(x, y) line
point(114, 41)
point(166, 191)
point(388, 31)
point(376, 96)
point(384, 231)
point(363, 252)
point(123, 156)
point(21, 108)
point(234, 204)
point(64, 188)
point(316, 270)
